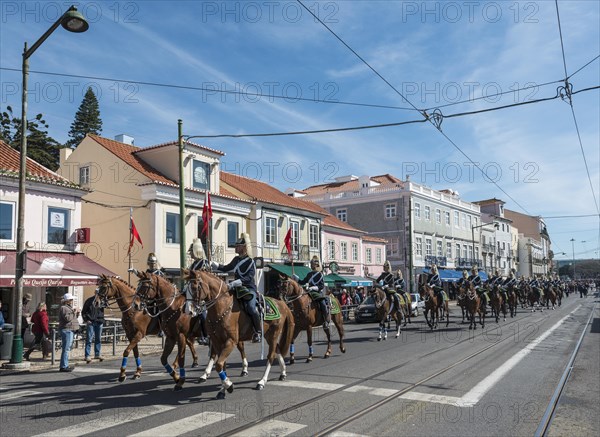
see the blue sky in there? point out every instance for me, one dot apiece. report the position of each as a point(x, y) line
point(433, 53)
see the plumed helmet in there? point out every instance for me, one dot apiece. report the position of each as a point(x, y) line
point(315, 264)
point(196, 249)
point(387, 266)
point(465, 274)
point(474, 270)
point(152, 259)
point(434, 269)
point(244, 240)
point(399, 274)
point(512, 274)
point(497, 272)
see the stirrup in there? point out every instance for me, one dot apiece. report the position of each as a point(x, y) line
point(326, 325)
point(256, 337)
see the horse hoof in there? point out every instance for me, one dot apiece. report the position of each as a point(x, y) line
point(259, 387)
point(202, 380)
point(136, 376)
point(230, 389)
point(194, 365)
point(309, 359)
point(220, 395)
point(282, 377)
point(122, 378)
point(177, 387)
point(326, 355)
point(244, 373)
point(292, 361)
point(343, 350)
point(378, 338)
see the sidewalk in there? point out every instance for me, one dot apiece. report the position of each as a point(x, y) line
point(148, 346)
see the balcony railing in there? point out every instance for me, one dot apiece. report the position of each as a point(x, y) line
point(438, 260)
point(301, 252)
point(467, 262)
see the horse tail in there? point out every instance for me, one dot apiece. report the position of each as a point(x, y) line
point(287, 334)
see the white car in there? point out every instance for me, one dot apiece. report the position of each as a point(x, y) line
point(417, 303)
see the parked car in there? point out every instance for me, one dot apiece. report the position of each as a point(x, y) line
point(417, 303)
point(366, 311)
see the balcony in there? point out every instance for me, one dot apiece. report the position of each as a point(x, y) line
point(467, 262)
point(437, 260)
point(300, 252)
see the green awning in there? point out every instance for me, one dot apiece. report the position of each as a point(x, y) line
point(332, 280)
point(357, 281)
point(286, 269)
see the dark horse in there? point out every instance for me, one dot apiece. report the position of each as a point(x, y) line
point(154, 290)
point(137, 324)
point(434, 305)
point(497, 303)
point(472, 303)
point(229, 325)
point(307, 314)
point(382, 305)
point(512, 300)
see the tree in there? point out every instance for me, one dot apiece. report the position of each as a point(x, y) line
point(40, 146)
point(87, 120)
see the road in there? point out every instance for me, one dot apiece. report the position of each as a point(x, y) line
point(493, 381)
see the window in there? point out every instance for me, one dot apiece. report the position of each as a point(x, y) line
point(390, 210)
point(456, 221)
point(464, 220)
point(428, 251)
point(419, 246)
point(295, 236)
point(427, 213)
point(84, 175)
point(440, 248)
point(438, 216)
point(331, 249)
point(477, 253)
point(58, 225)
point(449, 250)
point(457, 250)
point(271, 230)
point(354, 251)
point(470, 250)
point(232, 233)
point(503, 245)
point(378, 256)
point(344, 250)
point(172, 228)
point(314, 237)
point(447, 217)
point(6, 221)
point(469, 222)
point(342, 214)
point(465, 251)
point(392, 246)
point(418, 211)
point(475, 221)
point(201, 175)
point(369, 255)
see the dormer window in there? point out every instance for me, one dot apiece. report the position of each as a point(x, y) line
point(201, 175)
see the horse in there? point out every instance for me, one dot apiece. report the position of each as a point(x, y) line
point(559, 293)
point(533, 297)
point(307, 314)
point(382, 305)
point(497, 303)
point(433, 305)
point(228, 325)
point(460, 300)
point(177, 325)
point(472, 303)
point(512, 300)
point(137, 324)
point(550, 296)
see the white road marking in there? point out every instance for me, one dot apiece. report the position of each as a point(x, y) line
point(103, 371)
point(346, 434)
point(271, 428)
point(473, 396)
point(17, 394)
point(108, 421)
point(329, 386)
point(188, 424)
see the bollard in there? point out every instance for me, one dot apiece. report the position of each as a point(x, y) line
point(53, 357)
point(114, 339)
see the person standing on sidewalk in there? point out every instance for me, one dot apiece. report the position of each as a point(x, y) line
point(93, 317)
point(39, 320)
point(67, 325)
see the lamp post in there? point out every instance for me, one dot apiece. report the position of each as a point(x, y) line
point(573, 247)
point(496, 225)
point(72, 21)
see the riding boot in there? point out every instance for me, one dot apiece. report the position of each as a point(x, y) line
point(256, 322)
point(326, 314)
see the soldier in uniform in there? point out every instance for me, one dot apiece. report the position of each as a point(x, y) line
point(388, 282)
point(153, 265)
point(315, 282)
point(244, 284)
point(400, 286)
point(475, 279)
point(199, 262)
point(434, 281)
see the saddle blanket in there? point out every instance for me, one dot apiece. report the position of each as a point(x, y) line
point(334, 305)
point(271, 310)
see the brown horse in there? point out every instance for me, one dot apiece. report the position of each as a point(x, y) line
point(434, 305)
point(550, 296)
point(228, 325)
point(176, 324)
point(461, 299)
point(497, 303)
point(512, 300)
point(307, 314)
point(382, 305)
point(534, 296)
point(137, 324)
point(472, 303)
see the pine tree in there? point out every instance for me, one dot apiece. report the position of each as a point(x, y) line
point(87, 120)
point(40, 146)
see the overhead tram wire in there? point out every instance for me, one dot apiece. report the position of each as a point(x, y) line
point(570, 102)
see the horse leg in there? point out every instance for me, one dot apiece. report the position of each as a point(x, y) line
point(190, 343)
point(380, 330)
point(132, 344)
point(240, 347)
point(271, 339)
point(310, 346)
point(138, 362)
point(181, 343)
point(282, 367)
point(169, 345)
point(209, 366)
point(339, 325)
point(398, 321)
point(328, 334)
point(226, 383)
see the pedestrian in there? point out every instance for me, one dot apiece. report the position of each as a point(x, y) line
point(345, 301)
point(67, 325)
point(39, 321)
point(1, 316)
point(25, 315)
point(93, 316)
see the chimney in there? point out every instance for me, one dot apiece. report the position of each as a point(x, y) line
point(64, 154)
point(126, 139)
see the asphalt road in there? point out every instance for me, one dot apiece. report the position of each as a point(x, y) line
point(495, 381)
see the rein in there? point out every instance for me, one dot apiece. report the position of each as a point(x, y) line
point(162, 299)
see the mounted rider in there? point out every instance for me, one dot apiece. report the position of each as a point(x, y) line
point(400, 287)
point(464, 281)
point(534, 283)
point(475, 279)
point(244, 283)
point(153, 266)
point(434, 281)
point(388, 283)
point(314, 282)
point(199, 262)
point(498, 281)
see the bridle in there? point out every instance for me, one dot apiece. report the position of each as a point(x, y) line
point(145, 300)
point(102, 294)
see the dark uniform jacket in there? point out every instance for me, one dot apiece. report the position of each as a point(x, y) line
point(243, 268)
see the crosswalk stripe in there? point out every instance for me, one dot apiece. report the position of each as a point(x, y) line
point(17, 394)
point(271, 428)
point(188, 424)
point(328, 386)
point(102, 423)
point(103, 371)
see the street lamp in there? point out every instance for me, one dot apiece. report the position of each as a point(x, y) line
point(496, 225)
point(72, 21)
point(573, 247)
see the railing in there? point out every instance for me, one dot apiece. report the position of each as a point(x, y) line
point(438, 260)
point(467, 262)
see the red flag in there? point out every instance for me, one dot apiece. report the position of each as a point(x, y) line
point(134, 235)
point(206, 214)
point(288, 242)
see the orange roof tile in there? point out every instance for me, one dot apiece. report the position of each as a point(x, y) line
point(10, 162)
point(374, 239)
point(175, 143)
point(386, 179)
point(330, 220)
